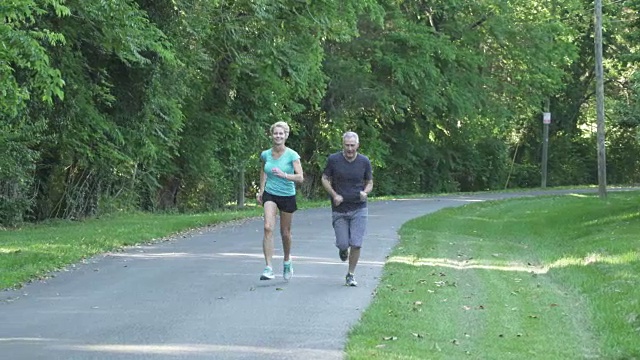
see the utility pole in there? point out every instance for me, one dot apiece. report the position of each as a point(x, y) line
point(602, 159)
point(546, 120)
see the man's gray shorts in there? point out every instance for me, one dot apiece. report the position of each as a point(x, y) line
point(350, 227)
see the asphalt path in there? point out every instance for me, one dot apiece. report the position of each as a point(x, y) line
point(200, 297)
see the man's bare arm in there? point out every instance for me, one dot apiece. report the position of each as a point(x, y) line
point(368, 187)
point(326, 184)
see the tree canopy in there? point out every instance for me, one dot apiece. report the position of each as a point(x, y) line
point(155, 105)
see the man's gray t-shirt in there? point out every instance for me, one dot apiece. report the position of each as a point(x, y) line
point(348, 179)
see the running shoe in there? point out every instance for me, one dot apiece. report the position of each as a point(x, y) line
point(287, 271)
point(267, 274)
point(350, 280)
point(344, 254)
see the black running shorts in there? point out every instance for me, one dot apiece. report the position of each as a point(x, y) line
point(285, 203)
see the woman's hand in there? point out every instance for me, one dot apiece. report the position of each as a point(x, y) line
point(279, 173)
point(259, 197)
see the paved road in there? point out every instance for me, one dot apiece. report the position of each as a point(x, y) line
point(200, 297)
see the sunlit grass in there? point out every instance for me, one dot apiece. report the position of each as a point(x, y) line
point(631, 256)
point(541, 278)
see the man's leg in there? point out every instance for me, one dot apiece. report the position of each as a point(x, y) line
point(341, 230)
point(354, 256)
point(358, 229)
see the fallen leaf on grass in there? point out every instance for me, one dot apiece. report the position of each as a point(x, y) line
point(466, 307)
point(390, 338)
point(632, 318)
point(416, 306)
point(380, 346)
point(419, 336)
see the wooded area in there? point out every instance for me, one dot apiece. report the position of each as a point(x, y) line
point(164, 104)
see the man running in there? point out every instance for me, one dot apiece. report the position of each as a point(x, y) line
point(348, 179)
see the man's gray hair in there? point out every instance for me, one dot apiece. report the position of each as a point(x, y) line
point(351, 135)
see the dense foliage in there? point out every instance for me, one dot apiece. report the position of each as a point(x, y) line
point(159, 105)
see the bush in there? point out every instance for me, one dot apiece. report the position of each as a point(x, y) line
point(17, 165)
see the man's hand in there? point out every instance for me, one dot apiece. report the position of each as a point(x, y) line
point(337, 200)
point(363, 196)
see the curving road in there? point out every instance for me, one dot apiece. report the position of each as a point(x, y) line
point(200, 297)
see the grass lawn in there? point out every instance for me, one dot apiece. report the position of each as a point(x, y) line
point(538, 278)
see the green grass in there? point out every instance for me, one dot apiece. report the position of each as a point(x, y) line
point(540, 278)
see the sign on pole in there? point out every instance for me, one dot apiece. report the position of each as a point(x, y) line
point(546, 118)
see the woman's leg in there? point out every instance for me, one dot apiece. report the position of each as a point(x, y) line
point(270, 210)
point(285, 232)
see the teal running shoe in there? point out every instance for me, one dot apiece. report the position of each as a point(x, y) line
point(267, 274)
point(287, 271)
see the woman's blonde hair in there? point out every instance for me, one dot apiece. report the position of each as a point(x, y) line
point(281, 124)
